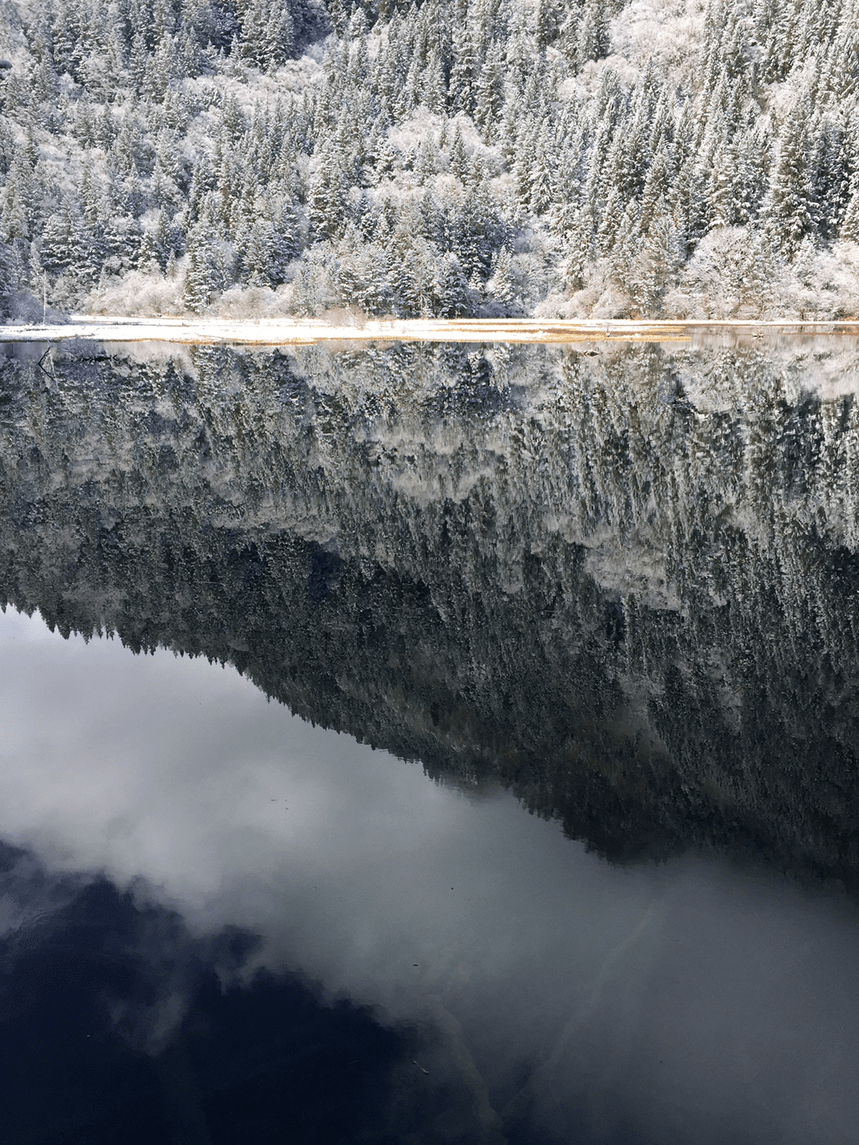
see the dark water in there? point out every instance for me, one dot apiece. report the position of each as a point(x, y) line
point(306, 900)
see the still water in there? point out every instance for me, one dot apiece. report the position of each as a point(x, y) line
point(428, 744)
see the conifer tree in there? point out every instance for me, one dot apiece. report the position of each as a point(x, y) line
point(204, 274)
point(500, 284)
point(578, 249)
point(8, 278)
point(464, 70)
point(328, 196)
point(791, 203)
point(19, 202)
point(540, 189)
point(829, 175)
point(122, 236)
point(458, 161)
point(64, 240)
point(434, 92)
point(450, 289)
point(593, 41)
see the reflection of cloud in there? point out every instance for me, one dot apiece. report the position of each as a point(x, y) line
point(685, 1000)
point(29, 896)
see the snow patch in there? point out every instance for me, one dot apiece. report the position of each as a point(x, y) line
point(665, 33)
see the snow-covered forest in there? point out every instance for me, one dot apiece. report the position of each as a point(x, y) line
point(670, 158)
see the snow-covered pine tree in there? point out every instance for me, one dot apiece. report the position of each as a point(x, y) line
point(500, 284)
point(450, 289)
point(65, 242)
point(791, 204)
point(8, 278)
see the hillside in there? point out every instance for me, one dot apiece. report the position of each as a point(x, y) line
point(451, 158)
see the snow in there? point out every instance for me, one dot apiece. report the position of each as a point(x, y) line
point(667, 33)
point(305, 331)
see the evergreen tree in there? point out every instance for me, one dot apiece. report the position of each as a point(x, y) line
point(65, 243)
point(500, 284)
point(434, 91)
point(791, 201)
point(593, 40)
point(850, 222)
point(450, 289)
point(8, 278)
point(201, 280)
point(458, 163)
point(328, 194)
point(464, 70)
point(122, 236)
point(829, 176)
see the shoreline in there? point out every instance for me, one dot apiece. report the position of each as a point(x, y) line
point(308, 331)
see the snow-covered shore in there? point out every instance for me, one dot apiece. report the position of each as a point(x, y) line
point(304, 331)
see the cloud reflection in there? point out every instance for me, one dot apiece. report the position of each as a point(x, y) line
point(648, 1004)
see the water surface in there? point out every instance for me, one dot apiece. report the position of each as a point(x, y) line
point(612, 586)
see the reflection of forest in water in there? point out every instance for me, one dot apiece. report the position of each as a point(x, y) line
point(621, 581)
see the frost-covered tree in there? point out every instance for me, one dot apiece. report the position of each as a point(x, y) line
point(451, 288)
point(500, 284)
point(8, 278)
point(208, 265)
point(66, 241)
point(792, 203)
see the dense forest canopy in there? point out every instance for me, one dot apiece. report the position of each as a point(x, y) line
point(451, 157)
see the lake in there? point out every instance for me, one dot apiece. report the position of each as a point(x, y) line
point(430, 743)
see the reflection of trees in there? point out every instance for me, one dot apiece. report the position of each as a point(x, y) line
point(624, 584)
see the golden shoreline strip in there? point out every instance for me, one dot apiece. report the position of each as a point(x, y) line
point(291, 332)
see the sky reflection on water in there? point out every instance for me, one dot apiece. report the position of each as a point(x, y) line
point(685, 1001)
